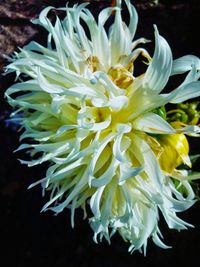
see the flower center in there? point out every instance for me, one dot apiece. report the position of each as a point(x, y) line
point(93, 63)
point(121, 76)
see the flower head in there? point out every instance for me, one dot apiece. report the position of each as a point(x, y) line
point(103, 129)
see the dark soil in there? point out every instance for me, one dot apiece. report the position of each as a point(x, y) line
point(29, 238)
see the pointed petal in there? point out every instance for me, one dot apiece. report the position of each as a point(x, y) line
point(159, 69)
point(184, 64)
point(153, 123)
point(183, 93)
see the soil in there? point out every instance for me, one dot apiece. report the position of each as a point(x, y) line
point(30, 238)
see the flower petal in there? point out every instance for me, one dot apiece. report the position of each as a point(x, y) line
point(183, 93)
point(159, 69)
point(152, 123)
point(184, 64)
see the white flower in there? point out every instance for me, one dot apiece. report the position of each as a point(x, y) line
point(94, 121)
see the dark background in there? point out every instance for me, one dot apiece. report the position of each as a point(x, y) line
point(30, 238)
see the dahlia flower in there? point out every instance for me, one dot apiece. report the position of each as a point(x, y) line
point(113, 145)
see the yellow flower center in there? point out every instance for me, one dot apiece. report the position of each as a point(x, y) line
point(93, 63)
point(121, 76)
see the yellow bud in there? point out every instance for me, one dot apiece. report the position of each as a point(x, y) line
point(175, 152)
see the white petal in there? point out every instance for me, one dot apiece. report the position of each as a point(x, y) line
point(76, 190)
point(120, 37)
point(128, 172)
point(153, 123)
point(159, 70)
point(158, 241)
point(192, 76)
point(30, 85)
point(151, 165)
point(107, 176)
point(184, 64)
point(47, 86)
point(133, 18)
point(98, 150)
point(190, 129)
point(183, 93)
point(121, 143)
point(112, 89)
point(95, 201)
point(43, 17)
point(118, 103)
